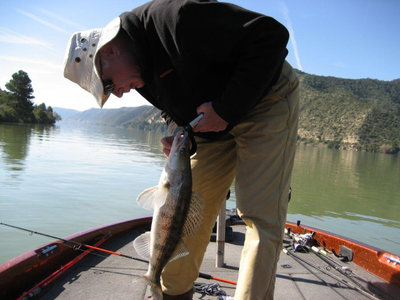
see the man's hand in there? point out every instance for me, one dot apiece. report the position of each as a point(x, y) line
point(211, 121)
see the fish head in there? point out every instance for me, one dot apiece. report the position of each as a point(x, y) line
point(180, 149)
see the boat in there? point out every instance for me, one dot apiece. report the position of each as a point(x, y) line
point(100, 263)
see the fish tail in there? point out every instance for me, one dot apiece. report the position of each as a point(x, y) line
point(156, 291)
point(155, 288)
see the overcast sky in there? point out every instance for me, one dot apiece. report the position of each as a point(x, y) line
point(342, 38)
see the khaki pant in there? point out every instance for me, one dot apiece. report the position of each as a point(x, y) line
point(259, 154)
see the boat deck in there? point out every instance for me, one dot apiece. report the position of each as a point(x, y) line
point(299, 275)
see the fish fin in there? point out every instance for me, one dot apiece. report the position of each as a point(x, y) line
point(195, 215)
point(142, 245)
point(147, 197)
point(180, 251)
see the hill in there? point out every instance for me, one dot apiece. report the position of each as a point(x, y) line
point(144, 117)
point(65, 113)
point(358, 114)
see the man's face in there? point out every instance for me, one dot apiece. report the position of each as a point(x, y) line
point(118, 66)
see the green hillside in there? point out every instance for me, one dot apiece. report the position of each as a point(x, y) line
point(362, 114)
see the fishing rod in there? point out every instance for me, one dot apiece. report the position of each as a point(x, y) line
point(303, 262)
point(35, 290)
point(303, 241)
point(74, 242)
point(207, 276)
point(201, 275)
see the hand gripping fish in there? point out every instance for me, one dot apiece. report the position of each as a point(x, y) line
point(177, 212)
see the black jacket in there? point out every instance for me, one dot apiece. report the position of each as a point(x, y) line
point(196, 51)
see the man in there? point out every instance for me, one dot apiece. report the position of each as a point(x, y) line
point(188, 57)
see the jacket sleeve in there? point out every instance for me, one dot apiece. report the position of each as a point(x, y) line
point(251, 44)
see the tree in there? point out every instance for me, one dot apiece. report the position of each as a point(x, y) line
point(45, 115)
point(8, 102)
point(40, 113)
point(52, 115)
point(20, 86)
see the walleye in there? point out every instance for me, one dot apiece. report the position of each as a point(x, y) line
point(177, 212)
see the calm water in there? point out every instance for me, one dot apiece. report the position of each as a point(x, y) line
point(63, 179)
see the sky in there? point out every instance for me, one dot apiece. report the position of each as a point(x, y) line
point(342, 38)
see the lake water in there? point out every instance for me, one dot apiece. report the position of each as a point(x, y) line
point(64, 179)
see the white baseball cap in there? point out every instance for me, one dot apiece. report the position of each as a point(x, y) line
point(80, 57)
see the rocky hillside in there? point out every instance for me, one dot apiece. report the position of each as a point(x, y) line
point(362, 114)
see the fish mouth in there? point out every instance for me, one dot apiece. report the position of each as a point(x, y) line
point(181, 138)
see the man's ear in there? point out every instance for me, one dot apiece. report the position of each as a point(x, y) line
point(109, 51)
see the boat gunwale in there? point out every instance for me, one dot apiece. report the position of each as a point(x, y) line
point(370, 258)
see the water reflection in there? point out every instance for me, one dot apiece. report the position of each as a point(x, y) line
point(43, 132)
point(350, 184)
point(147, 142)
point(14, 144)
point(15, 140)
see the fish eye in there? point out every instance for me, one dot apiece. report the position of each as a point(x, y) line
point(181, 133)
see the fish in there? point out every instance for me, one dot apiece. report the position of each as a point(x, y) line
point(177, 213)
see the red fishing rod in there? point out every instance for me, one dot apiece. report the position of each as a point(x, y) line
point(201, 275)
point(49, 279)
point(208, 276)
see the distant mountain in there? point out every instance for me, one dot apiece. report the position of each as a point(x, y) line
point(150, 119)
point(65, 113)
point(358, 114)
point(143, 117)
